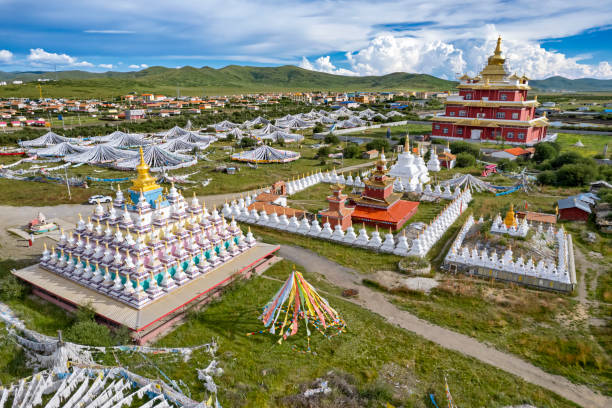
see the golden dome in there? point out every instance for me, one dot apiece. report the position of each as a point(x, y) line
point(495, 71)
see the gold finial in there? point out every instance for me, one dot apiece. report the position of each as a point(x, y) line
point(498, 47)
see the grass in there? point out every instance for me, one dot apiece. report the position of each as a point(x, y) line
point(312, 199)
point(260, 372)
point(541, 327)
point(593, 144)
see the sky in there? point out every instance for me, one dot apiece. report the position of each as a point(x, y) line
point(443, 38)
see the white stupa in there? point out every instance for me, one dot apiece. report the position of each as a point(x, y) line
point(409, 168)
point(434, 163)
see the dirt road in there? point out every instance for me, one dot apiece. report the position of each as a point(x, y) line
point(377, 303)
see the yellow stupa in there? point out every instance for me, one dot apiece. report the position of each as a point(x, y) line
point(144, 181)
point(510, 219)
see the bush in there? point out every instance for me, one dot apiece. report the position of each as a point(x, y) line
point(567, 158)
point(465, 160)
point(378, 144)
point(461, 147)
point(331, 139)
point(323, 151)
point(508, 165)
point(351, 151)
point(11, 288)
point(318, 128)
point(575, 174)
point(547, 177)
point(247, 142)
point(89, 333)
point(545, 151)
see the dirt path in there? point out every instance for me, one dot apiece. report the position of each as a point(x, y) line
point(377, 303)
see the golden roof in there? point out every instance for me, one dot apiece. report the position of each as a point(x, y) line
point(495, 71)
point(144, 181)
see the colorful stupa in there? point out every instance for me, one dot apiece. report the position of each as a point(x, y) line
point(144, 247)
point(378, 205)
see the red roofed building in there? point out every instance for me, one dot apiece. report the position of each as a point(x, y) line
point(378, 205)
point(337, 213)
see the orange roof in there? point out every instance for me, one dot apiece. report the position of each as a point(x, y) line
point(267, 197)
point(446, 156)
point(273, 208)
point(394, 214)
point(538, 217)
point(337, 214)
point(517, 151)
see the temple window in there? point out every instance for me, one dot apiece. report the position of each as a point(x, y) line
point(445, 130)
point(510, 135)
point(462, 113)
point(468, 96)
point(503, 97)
point(515, 115)
point(460, 131)
point(500, 115)
point(437, 127)
point(521, 136)
point(452, 113)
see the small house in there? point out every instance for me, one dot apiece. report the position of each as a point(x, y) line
point(447, 159)
point(574, 209)
point(370, 154)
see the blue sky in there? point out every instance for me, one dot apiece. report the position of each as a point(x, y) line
point(354, 37)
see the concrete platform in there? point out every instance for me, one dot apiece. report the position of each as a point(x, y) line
point(58, 289)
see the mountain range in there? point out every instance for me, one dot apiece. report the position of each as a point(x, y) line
point(233, 78)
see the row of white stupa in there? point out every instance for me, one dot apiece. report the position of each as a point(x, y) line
point(302, 183)
point(168, 250)
point(546, 270)
point(520, 230)
point(238, 210)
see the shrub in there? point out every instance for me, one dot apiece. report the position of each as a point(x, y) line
point(318, 128)
point(465, 160)
point(89, 333)
point(575, 174)
point(461, 147)
point(323, 151)
point(11, 288)
point(331, 139)
point(547, 177)
point(351, 151)
point(247, 142)
point(378, 144)
point(566, 158)
point(545, 151)
point(508, 165)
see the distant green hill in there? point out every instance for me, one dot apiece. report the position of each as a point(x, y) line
point(239, 79)
point(559, 83)
point(230, 79)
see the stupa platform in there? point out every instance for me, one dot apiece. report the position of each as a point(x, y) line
point(157, 316)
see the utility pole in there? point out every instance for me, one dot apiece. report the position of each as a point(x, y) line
point(67, 184)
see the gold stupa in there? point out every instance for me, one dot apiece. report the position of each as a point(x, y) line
point(144, 181)
point(510, 219)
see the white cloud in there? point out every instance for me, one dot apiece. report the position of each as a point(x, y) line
point(39, 57)
point(6, 57)
point(324, 64)
point(106, 66)
point(109, 32)
point(136, 66)
point(387, 53)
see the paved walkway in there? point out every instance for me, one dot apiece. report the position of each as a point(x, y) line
point(377, 303)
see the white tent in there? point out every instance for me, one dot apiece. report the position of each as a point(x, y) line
point(266, 130)
point(394, 113)
point(224, 126)
point(173, 133)
point(266, 154)
point(158, 159)
point(124, 140)
point(100, 154)
point(294, 123)
point(116, 135)
point(284, 136)
point(59, 150)
point(193, 137)
point(236, 133)
point(578, 144)
point(48, 139)
point(260, 120)
point(180, 145)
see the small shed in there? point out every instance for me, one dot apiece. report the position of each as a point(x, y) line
point(573, 209)
point(370, 154)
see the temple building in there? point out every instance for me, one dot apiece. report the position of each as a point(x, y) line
point(492, 106)
point(337, 213)
point(410, 169)
point(378, 205)
point(143, 259)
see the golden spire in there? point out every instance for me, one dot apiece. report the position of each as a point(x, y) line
point(144, 181)
point(494, 71)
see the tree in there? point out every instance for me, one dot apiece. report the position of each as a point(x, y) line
point(331, 139)
point(89, 333)
point(465, 160)
point(547, 177)
point(544, 151)
point(318, 128)
point(460, 147)
point(507, 165)
point(566, 158)
point(351, 151)
point(576, 174)
point(247, 142)
point(323, 151)
point(379, 144)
